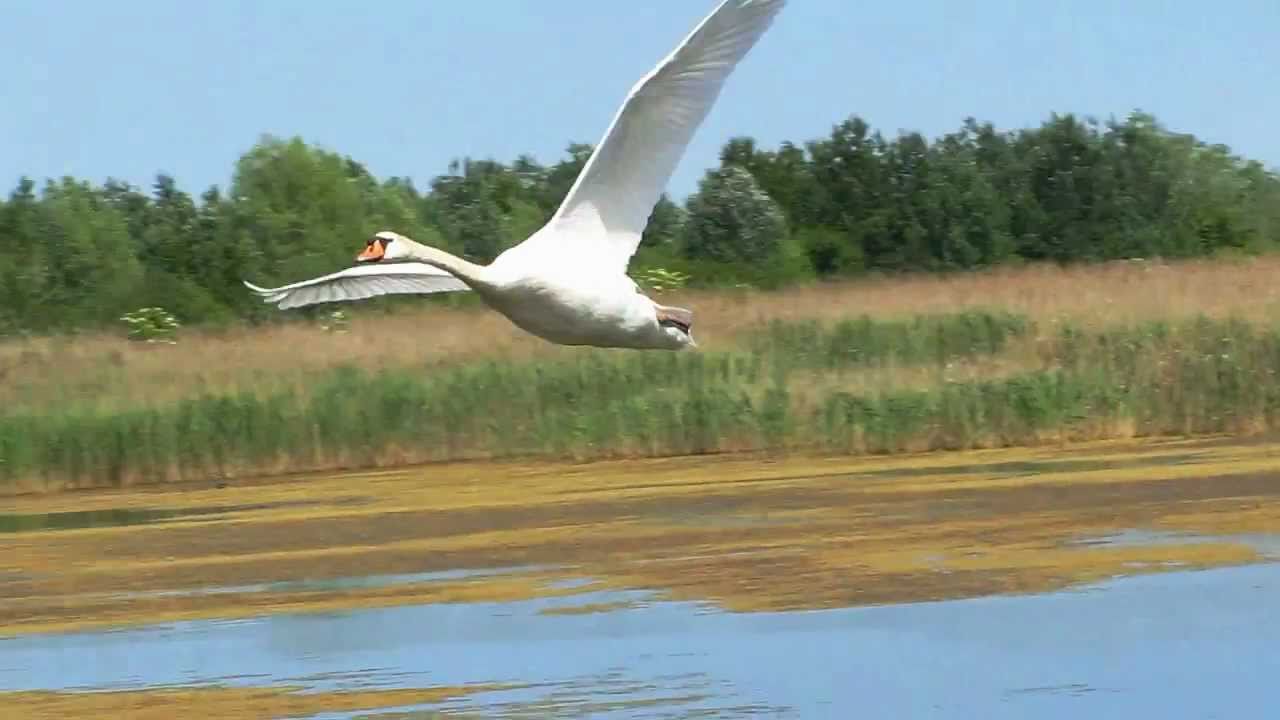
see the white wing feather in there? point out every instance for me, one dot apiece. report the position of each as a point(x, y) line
point(360, 282)
point(628, 171)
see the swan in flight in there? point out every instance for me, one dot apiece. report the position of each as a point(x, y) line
point(567, 282)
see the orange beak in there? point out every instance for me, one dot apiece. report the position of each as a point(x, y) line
point(372, 251)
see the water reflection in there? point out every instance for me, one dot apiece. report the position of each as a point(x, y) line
point(123, 517)
point(1266, 545)
point(343, 583)
point(1181, 644)
point(111, 517)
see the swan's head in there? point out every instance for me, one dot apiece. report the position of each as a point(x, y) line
point(385, 245)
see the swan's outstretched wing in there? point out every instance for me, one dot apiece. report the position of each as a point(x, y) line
point(622, 181)
point(360, 282)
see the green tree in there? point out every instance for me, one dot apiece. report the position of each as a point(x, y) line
point(561, 176)
point(467, 209)
point(732, 220)
point(22, 273)
point(666, 222)
point(87, 271)
point(849, 168)
point(735, 232)
point(308, 210)
point(1067, 190)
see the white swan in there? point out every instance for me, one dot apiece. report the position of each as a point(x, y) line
point(567, 282)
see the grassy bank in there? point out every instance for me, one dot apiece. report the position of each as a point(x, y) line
point(960, 362)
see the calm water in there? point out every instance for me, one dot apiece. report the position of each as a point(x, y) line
point(1176, 645)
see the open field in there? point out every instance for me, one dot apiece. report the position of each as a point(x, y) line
point(1008, 357)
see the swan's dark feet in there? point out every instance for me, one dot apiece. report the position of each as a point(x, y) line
point(675, 317)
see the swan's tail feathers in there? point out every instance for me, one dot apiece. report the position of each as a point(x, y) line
point(675, 317)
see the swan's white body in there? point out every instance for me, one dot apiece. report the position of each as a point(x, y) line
point(567, 283)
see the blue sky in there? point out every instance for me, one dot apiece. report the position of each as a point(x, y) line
point(131, 88)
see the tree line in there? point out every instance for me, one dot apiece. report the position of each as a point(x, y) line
point(74, 254)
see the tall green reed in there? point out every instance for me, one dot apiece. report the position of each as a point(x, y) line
point(864, 341)
point(1202, 376)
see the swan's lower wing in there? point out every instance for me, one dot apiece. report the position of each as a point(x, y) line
point(360, 282)
point(628, 171)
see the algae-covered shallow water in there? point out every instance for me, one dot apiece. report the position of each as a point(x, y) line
point(1108, 580)
point(1179, 645)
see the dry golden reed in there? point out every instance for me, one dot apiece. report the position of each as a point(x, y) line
point(106, 367)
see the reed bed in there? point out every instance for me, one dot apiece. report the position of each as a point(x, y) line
point(861, 384)
point(105, 371)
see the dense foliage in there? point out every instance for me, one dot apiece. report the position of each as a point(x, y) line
point(77, 255)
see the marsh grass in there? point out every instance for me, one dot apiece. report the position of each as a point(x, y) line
point(109, 372)
point(801, 370)
point(1198, 376)
point(867, 342)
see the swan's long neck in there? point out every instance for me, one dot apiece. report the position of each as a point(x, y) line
point(468, 272)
